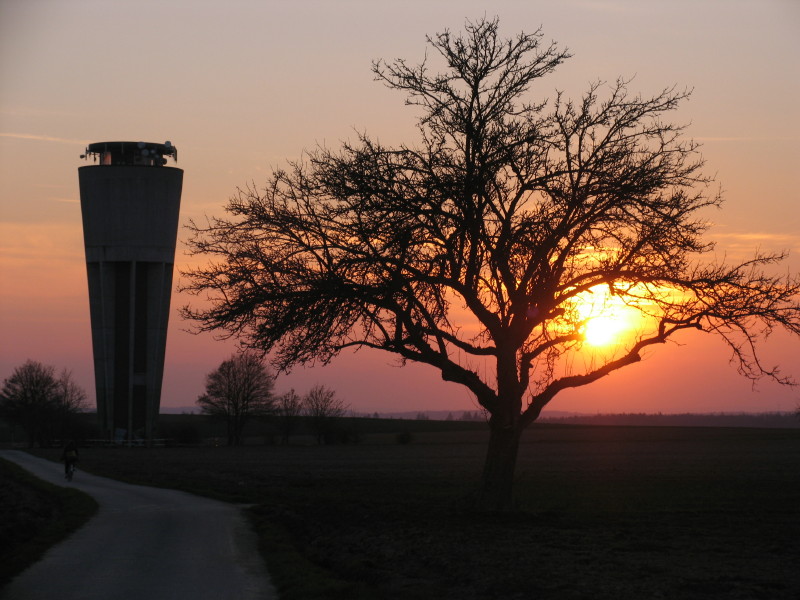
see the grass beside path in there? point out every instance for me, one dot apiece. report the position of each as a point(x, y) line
point(35, 515)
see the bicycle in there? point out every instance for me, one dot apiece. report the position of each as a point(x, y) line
point(70, 457)
point(70, 470)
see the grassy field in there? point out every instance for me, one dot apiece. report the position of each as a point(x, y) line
point(603, 512)
point(34, 515)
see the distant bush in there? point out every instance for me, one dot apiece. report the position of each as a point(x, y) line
point(404, 437)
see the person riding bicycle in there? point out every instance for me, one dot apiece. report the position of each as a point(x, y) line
point(70, 457)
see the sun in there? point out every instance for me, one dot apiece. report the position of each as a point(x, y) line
point(607, 319)
point(604, 330)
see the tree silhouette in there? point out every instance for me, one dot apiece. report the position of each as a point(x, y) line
point(288, 409)
point(237, 391)
point(474, 250)
point(43, 404)
point(322, 408)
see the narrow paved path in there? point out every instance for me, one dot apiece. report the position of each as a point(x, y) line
point(144, 544)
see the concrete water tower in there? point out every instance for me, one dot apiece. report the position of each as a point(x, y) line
point(130, 203)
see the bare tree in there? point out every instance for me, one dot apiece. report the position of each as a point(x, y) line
point(41, 403)
point(237, 391)
point(474, 250)
point(288, 409)
point(322, 408)
point(70, 402)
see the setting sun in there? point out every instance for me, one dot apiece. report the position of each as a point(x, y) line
point(604, 330)
point(607, 318)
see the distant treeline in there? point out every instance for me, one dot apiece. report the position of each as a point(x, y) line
point(194, 429)
point(198, 429)
point(766, 419)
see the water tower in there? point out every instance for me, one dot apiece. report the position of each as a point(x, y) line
point(130, 202)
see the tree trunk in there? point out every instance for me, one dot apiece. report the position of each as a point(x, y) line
point(495, 493)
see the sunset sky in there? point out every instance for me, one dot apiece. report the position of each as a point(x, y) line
point(241, 86)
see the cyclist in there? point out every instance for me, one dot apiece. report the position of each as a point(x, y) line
point(70, 457)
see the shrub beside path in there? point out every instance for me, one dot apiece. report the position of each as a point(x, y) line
point(144, 543)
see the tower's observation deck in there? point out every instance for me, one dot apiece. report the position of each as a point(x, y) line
point(131, 153)
point(130, 203)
